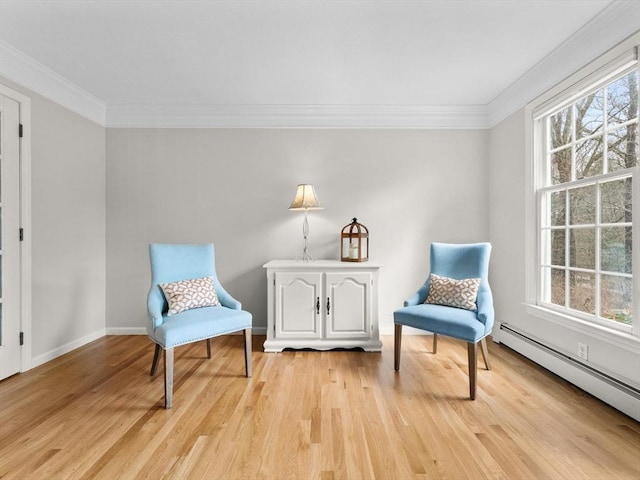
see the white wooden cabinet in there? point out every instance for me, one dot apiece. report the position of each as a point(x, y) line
point(322, 304)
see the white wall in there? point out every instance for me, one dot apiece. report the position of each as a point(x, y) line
point(508, 192)
point(234, 186)
point(68, 223)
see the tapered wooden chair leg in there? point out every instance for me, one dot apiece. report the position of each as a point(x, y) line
point(208, 348)
point(485, 353)
point(435, 343)
point(472, 349)
point(397, 343)
point(168, 377)
point(156, 359)
point(247, 351)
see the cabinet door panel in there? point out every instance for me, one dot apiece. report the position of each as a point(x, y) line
point(297, 295)
point(349, 298)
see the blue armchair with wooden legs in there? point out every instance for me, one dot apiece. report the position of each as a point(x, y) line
point(455, 301)
point(187, 304)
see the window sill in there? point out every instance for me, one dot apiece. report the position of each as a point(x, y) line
point(613, 337)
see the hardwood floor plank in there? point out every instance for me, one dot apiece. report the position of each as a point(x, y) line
point(95, 413)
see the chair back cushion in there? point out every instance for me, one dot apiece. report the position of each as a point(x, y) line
point(172, 263)
point(461, 261)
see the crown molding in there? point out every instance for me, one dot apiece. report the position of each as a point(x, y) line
point(25, 71)
point(612, 26)
point(297, 116)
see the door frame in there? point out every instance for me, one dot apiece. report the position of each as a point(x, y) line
point(25, 220)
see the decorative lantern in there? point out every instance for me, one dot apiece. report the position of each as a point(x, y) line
point(354, 242)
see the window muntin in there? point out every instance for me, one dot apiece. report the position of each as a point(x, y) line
point(589, 149)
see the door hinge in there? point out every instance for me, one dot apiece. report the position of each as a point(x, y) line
point(21, 338)
point(21, 234)
point(20, 130)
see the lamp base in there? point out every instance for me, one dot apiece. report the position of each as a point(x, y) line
point(306, 256)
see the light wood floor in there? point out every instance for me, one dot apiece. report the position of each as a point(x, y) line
point(96, 414)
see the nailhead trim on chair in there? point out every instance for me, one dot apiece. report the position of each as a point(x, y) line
point(197, 339)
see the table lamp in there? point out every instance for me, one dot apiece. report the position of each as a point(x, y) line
point(305, 199)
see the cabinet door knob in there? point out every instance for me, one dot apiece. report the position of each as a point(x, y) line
point(328, 306)
point(318, 305)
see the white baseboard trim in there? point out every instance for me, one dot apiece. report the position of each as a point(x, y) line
point(259, 331)
point(126, 331)
point(617, 394)
point(57, 352)
point(390, 330)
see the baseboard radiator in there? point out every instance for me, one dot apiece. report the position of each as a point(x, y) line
point(616, 393)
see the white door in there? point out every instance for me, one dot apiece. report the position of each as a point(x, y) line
point(349, 305)
point(298, 305)
point(10, 350)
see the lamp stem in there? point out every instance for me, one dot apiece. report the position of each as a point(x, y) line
point(306, 256)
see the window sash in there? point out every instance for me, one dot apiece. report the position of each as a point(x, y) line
point(546, 265)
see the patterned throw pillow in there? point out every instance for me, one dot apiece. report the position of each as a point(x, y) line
point(453, 293)
point(187, 294)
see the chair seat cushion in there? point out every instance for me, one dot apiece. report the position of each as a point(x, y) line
point(199, 324)
point(449, 321)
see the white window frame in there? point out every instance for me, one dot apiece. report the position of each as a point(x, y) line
point(604, 68)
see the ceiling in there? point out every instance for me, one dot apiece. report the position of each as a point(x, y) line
point(151, 53)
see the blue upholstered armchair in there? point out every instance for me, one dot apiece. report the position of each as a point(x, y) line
point(471, 323)
point(200, 307)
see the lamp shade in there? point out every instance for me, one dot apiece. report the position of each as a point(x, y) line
point(305, 199)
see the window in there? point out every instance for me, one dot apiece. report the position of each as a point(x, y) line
point(587, 150)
